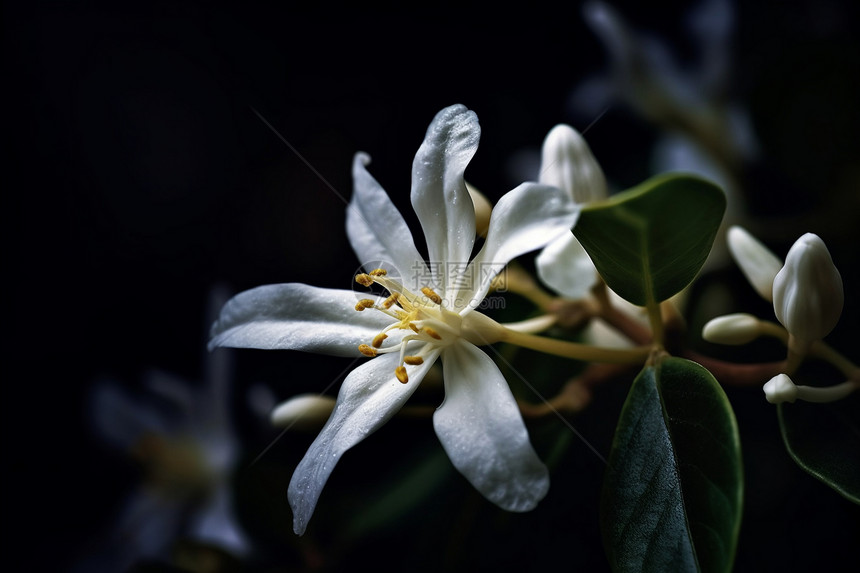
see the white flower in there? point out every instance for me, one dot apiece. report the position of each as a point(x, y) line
point(567, 163)
point(429, 314)
point(807, 291)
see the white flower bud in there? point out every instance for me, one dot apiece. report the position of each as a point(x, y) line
point(303, 412)
point(737, 328)
point(780, 389)
point(483, 210)
point(807, 291)
point(567, 163)
point(757, 263)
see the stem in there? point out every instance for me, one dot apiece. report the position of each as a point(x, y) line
point(823, 351)
point(575, 350)
point(516, 280)
point(826, 394)
point(536, 324)
point(621, 321)
point(733, 374)
point(655, 317)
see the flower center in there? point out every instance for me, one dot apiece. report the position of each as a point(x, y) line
point(429, 324)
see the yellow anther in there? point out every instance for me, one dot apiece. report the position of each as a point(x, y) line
point(400, 372)
point(367, 350)
point(414, 328)
point(378, 272)
point(377, 340)
point(364, 280)
point(364, 303)
point(413, 360)
point(428, 292)
point(395, 296)
point(432, 333)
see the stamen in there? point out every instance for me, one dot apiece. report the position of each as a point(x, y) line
point(395, 296)
point(429, 293)
point(364, 303)
point(367, 350)
point(432, 333)
point(378, 272)
point(400, 372)
point(364, 280)
point(413, 360)
point(414, 328)
point(377, 340)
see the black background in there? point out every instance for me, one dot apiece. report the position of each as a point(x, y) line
point(138, 176)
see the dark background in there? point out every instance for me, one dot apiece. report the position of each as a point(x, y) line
point(138, 176)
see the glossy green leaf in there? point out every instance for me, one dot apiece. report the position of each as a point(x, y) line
point(650, 242)
point(824, 440)
point(673, 488)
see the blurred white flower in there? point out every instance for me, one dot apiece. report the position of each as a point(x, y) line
point(704, 129)
point(429, 314)
point(182, 435)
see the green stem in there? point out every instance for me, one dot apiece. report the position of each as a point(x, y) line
point(575, 350)
point(655, 317)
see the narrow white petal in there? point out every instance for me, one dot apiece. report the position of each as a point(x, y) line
point(376, 229)
point(483, 433)
point(758, 264)
point(525, 219)
point(369, 396)
point(439, 194)
point(297, 317)
point(566, 268)
point(568, 163)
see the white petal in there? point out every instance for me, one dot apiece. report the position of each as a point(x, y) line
point(369, 396)
point(297, 317)
point(568, 163)
point(439, 194)
point(756, 261)
point(376, 229)
point(566, 268)
point(483, 433)
point(525, 219)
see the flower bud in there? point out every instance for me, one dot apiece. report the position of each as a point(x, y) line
point(780, 389)
point(567, 163)
point(807, 291)
point(303, 412)
point(734, 329)
point(757, 263)
point(483, 210)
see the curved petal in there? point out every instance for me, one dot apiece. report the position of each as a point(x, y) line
point(482, 431)
point(439, 194)
point(524, 219)
point(369, 396)
point(376, 229)
point(568, 163)
point(566, 268)
point(297, 317)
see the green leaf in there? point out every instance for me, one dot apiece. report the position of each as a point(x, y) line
point(673, 488)
point(650, 242)
point(824, 440)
